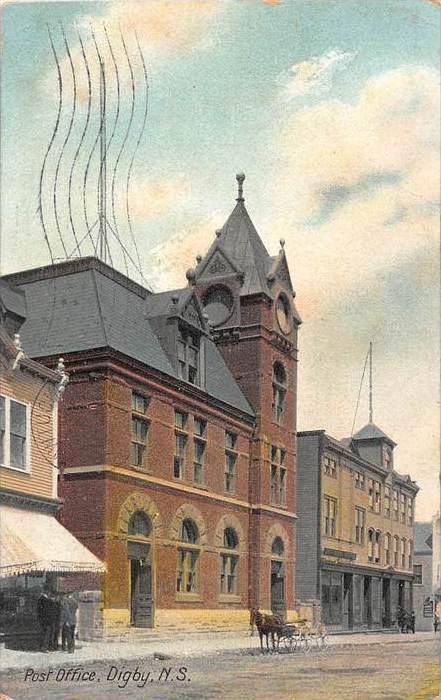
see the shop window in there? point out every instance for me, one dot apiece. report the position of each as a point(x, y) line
point(329, 516)
point(386, 547)
point(331, 587)
point(14, 437)
point(279, 392)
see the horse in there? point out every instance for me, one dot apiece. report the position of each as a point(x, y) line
point(266, 625)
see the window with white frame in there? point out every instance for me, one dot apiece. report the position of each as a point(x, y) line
point(330, 466)
point(188, 356)
point(387, 501)
point(14, 434)
point(329, 515)
point(359, 480)
point(230, 461)
point(278, 475)
point(139, 430)
point(229, 562)
point(279, 391)
point(359, 525)
point(188, 558)
point(199, 443)
point(180, 445)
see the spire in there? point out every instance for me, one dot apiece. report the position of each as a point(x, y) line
point(240, 177)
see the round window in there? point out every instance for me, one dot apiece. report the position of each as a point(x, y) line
point(283, 313)
point(218, 303)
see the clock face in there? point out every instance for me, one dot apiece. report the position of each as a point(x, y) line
point(283, 313)
point(218, 303)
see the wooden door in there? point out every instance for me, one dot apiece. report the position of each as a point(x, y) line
point(141, 595)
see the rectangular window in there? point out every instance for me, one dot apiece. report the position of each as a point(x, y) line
point(330, 466)
point(418, 573)
point(199, 427)
point(278, 403)
point(180, 420)
point(395, 551)
point(409, 510)
point(359, 525)
point(359, 480)
point(277, 475)
point(395, 504)
point(329, 516)
point(139, 441)
point(198, 461)
point(230, 461)
point(139, 403)
point(14, 438)
point(186, 573)
point(386, 546)
point(179, 461)
point(402, 508)
point(188, 356)
point(403, 553)
point(370, 545)
point(377, 497)
point(228, 573)
point(371, 493)
point(387, 501)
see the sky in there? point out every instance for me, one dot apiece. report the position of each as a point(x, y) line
point(330, 107)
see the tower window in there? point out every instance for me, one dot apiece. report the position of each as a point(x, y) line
point(279, 392)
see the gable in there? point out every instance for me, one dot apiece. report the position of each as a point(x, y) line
point(192, 313)
point(215, 265)
point(280, 272)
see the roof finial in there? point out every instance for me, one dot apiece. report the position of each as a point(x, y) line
point(240, 177)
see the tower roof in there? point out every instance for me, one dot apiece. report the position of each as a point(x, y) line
point(372, 432)
point(243, 246)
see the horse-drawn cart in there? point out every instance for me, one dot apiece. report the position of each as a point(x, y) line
point(297, 637)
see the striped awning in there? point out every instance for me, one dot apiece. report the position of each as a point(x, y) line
point(32, 542)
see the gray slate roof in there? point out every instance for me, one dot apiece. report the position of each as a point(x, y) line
point(88, 307)
point(371, 432)
point(244, 247)
point(422, 538)
point(12, 299)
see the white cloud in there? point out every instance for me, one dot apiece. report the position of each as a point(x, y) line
point(316, 74)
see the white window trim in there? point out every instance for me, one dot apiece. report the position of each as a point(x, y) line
point(7, 451)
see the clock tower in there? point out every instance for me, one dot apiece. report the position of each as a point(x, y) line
point(248, 297)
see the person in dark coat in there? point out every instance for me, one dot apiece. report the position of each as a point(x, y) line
point(55, 611)
point(435, 623)
point(44, 606)
point(412, 622)
point(69, 607)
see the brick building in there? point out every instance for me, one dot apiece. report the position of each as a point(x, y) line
point(177, 434)
point(355, 528)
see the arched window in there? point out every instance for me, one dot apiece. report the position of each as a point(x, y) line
point(279, 391)
point(188, 558)
point(371, 538)
point(386, 547)
point(139, 525)
point(409, 554)
point(277, 547)
point(396, 540)
point(229, 562)
point(231, 539)
point(189, 531)
point(403, 553)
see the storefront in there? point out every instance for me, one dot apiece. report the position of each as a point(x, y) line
point(36, 551)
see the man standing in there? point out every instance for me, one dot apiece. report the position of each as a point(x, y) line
point(43, 615)
point(69, 608)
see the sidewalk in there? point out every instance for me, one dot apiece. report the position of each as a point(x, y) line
point(205, 644)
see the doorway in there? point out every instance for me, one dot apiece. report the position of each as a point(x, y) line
point(141, 599)
point(277, 588)
point(367, 602)
point(386, 607)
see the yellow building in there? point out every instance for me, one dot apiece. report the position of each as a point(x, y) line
point(355, 528)
point(34, 547)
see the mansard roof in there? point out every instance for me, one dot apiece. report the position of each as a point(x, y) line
point(84, 304)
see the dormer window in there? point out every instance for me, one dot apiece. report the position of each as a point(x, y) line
point(188, 356)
